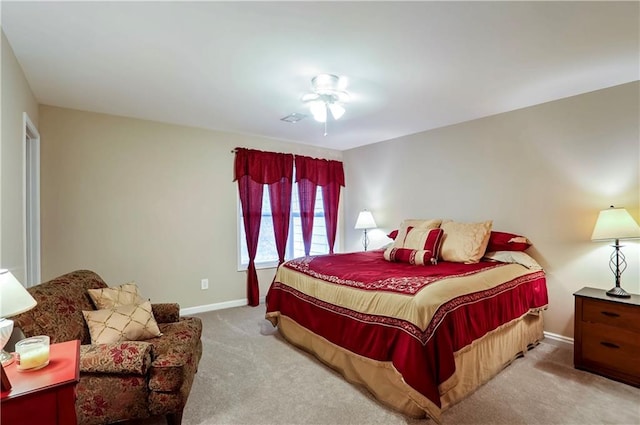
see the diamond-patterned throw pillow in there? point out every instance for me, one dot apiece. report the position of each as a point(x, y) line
point(124, 294)
point(133, 322)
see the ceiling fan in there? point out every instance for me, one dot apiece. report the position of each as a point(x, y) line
point(327, 96)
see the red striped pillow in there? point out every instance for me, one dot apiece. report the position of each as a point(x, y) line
point(419, 247)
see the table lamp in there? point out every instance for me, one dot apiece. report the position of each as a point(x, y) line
point(14, 299)
point(365, 221)
point(615, 224)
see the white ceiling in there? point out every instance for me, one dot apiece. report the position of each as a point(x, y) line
point(241, 66)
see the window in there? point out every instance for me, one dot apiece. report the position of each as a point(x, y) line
point(267, 255)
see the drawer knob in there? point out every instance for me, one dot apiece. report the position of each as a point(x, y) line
point(609, 344)
point(610, 314)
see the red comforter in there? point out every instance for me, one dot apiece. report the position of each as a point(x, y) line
point(416, 317)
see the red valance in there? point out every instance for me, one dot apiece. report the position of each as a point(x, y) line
point(319, 171)
point(263, 167)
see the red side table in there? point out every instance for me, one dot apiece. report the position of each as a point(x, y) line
point(46, 396)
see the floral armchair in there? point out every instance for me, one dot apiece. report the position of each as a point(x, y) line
point(123, 380)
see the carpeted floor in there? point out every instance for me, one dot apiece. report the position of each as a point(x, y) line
point(249, 375)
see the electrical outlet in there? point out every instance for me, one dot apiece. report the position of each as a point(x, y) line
point(204, 284)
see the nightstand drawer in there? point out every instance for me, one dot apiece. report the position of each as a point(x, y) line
point(613, 314)
point(607, 335)
point(613, 348)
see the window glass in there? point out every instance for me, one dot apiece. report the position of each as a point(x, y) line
point(267, 254)
point(319, 244)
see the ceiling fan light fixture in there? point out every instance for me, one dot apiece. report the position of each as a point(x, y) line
point(327, 95)
point(325, 83)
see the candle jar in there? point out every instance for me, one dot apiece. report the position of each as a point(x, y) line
point(32, 353)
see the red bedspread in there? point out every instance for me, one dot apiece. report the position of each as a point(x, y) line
point(416, 317)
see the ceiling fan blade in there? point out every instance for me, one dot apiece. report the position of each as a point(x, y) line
point(308, 97)
point(337, 110)
point(342, 96)
point(319, 111)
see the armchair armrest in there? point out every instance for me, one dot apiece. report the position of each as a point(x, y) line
point(128, 357)
point(166, 313)
point(168, 371)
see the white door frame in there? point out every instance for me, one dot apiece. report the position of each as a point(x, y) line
point(31, 196)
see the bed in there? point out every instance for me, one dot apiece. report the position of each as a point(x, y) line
point(418, 338)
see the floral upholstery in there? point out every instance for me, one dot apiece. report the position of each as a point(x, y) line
point(166, 313)
point(166, 373)
point(123, 380)
point(59, 310)
point(131, 357)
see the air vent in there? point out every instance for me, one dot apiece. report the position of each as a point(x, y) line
point(293, 118)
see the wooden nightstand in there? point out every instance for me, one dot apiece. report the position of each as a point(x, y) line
point(607, 335)
point(46, 396)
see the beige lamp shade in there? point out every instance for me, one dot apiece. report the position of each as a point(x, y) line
point(365, 220)
point(14, 298)
point(615, 223)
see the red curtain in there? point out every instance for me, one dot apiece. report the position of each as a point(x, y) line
point(329, 174)
point(331, 199)
point(251, 201)
point(253, 169)
point(280, 198)
point(307, 199)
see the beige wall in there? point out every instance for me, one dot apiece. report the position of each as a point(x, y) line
point(544, 172)
point(16, 99)
point(145, 201)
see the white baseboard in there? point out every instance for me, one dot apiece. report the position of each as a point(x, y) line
point(216, 306)
point(559, 338)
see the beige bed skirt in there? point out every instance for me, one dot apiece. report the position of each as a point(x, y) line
point(475, 364)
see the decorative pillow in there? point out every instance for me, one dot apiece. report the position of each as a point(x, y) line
point(415, 223)
point(432, 223)
point(393, 234)
point(124, 294)
point(419, 246)
point(502, 241)
point(517, 257)
point(465, 242)
point(133, 322)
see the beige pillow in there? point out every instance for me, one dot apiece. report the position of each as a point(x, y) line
point(415, 223)
point(464, 242)
point(133, 322)
point(124, 294)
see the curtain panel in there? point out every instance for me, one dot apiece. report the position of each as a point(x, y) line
point(252, 170)
point(331, 199)
point(263, 167)
point(280, 198)
point(307, 202)
point(328, 174)
point(319, 171)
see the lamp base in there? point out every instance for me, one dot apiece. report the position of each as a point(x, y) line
point(618, 292)
point(5, 358)
point(6, 328)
